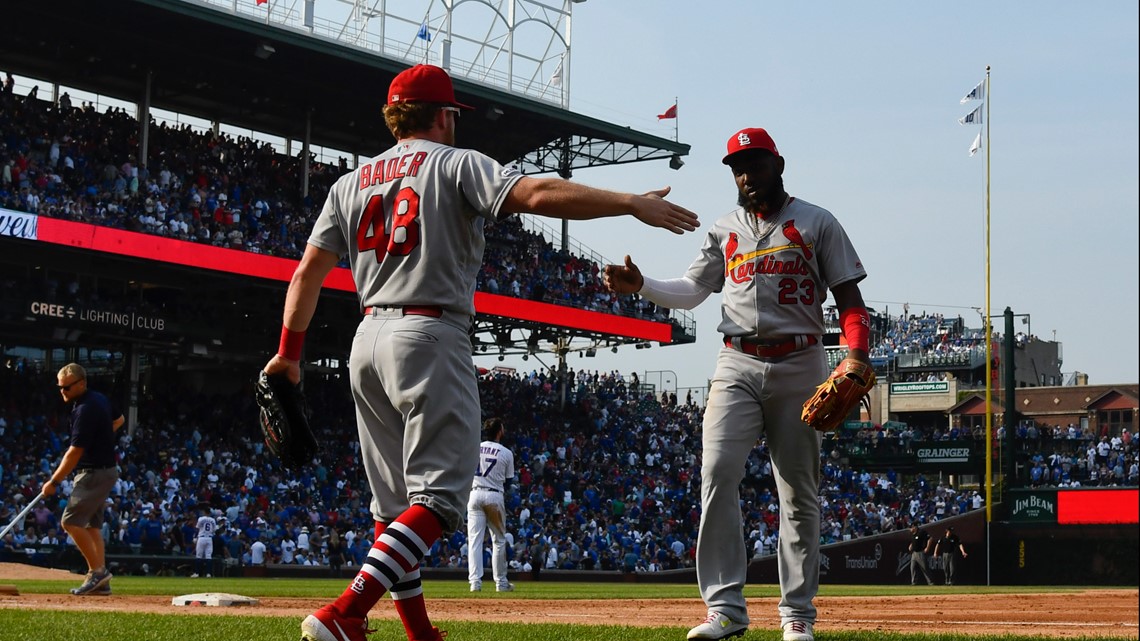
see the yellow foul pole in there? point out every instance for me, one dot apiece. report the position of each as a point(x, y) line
point(989, 345)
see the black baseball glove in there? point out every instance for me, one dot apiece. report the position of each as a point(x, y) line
point(284, 420)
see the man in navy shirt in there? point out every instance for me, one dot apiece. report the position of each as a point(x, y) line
point(92, 455)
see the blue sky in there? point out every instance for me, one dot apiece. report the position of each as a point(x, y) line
point(863, 101)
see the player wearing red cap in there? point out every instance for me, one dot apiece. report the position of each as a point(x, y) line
point(410, 221)
point(774, 258)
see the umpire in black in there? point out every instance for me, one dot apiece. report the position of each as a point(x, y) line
point(92, 455)
point(920, 543)
point(949, 547)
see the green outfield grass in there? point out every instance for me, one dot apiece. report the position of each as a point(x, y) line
point(45, 625)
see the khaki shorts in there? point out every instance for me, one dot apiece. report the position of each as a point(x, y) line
point(88, 497)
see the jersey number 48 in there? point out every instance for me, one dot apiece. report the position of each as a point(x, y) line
point(373, 234)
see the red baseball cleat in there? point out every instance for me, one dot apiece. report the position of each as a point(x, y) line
point(327, 624)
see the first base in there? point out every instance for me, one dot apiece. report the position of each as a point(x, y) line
point(213, 599)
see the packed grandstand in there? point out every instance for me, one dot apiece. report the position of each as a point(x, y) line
point(609, 482)
point(608, 479)
point(76, 162)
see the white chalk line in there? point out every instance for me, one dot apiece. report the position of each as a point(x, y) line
point(1059, 624)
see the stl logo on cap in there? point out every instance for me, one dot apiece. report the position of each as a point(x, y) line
point(749, 139)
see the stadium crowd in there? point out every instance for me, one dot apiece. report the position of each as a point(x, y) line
point(607, 480)
point(610, 481)
point(77, 163)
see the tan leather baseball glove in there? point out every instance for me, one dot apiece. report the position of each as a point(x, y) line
point(845, 388)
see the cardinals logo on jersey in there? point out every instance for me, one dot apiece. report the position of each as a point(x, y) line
point(730, 255)
point(742, 267)
point(793, 235)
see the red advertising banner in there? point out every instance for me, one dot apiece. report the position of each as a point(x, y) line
point(1095, 506)
point(179, 252)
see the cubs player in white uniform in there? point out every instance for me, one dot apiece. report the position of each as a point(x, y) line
point(410, 221)
point(774, 258)
point(486, 508)
point(204, 545)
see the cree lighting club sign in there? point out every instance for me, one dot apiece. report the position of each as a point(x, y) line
point(121, 319)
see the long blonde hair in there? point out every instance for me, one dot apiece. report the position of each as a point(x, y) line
point(406, 118)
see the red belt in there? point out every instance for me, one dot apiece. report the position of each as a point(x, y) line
point(435, 311)
point(762, 349)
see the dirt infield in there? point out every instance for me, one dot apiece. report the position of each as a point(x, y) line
point(1070, 614)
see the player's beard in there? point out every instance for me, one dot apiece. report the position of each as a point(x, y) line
point(772, 197)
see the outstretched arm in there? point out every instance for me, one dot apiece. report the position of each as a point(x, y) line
point(675, 293)
point(557, 198)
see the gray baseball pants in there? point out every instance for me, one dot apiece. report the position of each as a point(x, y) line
point(751, 397)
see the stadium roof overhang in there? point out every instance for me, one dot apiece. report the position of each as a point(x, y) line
point(222, 67)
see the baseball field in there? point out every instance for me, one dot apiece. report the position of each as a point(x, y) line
point(140, 610)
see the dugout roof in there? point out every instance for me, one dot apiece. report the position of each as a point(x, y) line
point(202, 62)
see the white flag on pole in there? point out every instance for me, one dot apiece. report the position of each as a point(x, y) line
point(556, 78)
point(977, 145)
point(972, 118)
point(977, 93)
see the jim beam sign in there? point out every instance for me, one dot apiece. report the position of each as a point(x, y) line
point(1034, 507)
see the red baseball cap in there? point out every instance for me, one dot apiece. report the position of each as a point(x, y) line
point(748, 139)
point(423, 83)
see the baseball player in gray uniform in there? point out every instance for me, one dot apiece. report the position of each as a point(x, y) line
point(410, 221)
point(774, 258)
point(486, 508)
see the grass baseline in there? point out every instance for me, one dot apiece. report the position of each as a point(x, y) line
point(31, 625)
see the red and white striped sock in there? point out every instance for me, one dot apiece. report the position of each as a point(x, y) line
point(408, 596)
point(395, 553)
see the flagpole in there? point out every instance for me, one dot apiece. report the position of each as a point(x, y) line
point(676, 123)
point(989, 346)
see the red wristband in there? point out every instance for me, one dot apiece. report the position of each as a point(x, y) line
point(291, 343)
point(856, 324)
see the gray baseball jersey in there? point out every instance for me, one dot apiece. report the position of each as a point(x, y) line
point(775, 281)
point(411, 222)
point(774, 275)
